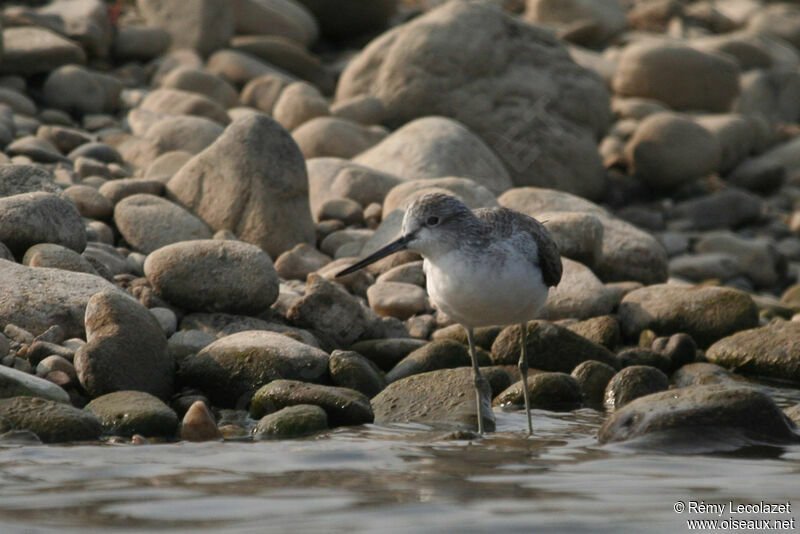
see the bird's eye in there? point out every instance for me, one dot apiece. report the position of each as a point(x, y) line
point(432, 221)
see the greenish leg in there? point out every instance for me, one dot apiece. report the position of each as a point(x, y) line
point(523, 369)
point(476, 374)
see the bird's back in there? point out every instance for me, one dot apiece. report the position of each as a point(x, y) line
point(506, 224)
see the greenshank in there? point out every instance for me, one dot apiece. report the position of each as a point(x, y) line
point(490, 266)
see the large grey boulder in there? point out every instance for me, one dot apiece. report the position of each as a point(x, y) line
point(126, 349)
point(432, 147)
point(18, 179)
point(705, 313)
point(37, 298)
point(512, 83)
point(40, 217)
point(252, 181)
point(148, 222)
point(205, 25)
point(214, 275)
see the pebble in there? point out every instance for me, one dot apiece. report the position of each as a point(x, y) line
point(438, 354)
point(198, 424)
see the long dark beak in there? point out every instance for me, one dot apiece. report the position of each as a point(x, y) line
point(391, 248)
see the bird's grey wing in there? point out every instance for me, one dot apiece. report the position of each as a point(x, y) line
point(505, 222)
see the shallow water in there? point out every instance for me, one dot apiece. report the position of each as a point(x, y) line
point(397, 478)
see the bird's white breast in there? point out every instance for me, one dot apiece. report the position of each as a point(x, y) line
point(482, 291)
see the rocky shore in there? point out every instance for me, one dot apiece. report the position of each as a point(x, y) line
point(180, 182)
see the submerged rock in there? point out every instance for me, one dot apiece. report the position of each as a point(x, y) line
point(547, 391)
point(711, 417)
point(443, 397)
point(292, 422)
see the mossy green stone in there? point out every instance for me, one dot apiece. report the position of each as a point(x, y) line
point(53, 422)
point(125, 413)
point(547, 391)
point(344, 406)
point(292, 422)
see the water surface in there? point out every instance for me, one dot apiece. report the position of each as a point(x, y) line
point(387, 478)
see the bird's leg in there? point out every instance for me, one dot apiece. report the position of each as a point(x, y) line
point(476, 375)
point(523, 369)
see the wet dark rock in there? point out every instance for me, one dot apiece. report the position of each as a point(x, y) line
point(770, 351)
point(603, 330)
point(484, 336)
point(679, 348)
point(231, 369)
point(443, 397)
point(343, 406)
point(292, 422)
point(711, 417)
point(633, 382)
point(550, 348)
point(729, 208)
point(125, 413)
point(52, 422)
point(386, 353)
point(593, 377)
point(349, 369)
point(639, 356)
point(700, 374)
point(547, 391)
point(705, 313)
point(198, 424)
point(440, 354)
point(125, 350)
